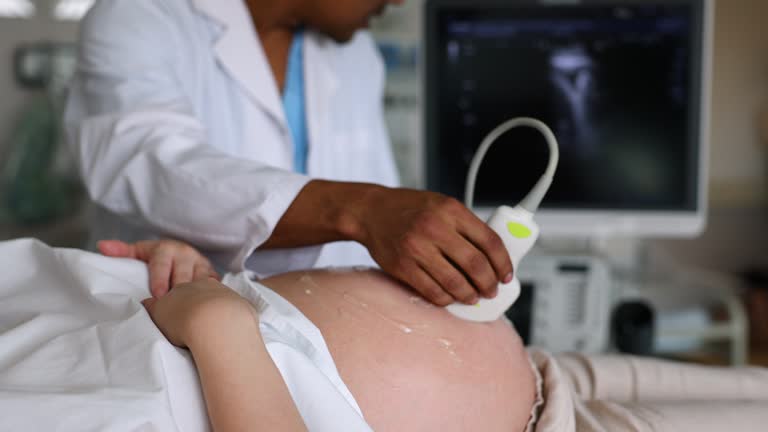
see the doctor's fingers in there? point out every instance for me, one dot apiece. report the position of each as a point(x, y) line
point(420, 280)
point(450, 279)
point(484, 239)
point(473, 264)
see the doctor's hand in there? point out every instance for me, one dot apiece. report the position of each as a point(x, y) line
point(170, 262)
point(434, 244)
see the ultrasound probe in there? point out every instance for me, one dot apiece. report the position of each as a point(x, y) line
point(515, 225)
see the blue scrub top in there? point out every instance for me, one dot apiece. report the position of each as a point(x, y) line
point(293, 102)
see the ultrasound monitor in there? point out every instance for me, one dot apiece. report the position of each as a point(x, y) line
point(623, 85)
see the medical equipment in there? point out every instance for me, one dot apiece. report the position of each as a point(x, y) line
point(623, 85)
point(565, 304)
point(514, 225)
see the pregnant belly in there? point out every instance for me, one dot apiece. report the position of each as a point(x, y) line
point(412, 366)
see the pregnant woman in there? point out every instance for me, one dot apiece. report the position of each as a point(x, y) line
point(409, 365)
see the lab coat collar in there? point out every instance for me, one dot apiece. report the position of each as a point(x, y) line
point(240, 52)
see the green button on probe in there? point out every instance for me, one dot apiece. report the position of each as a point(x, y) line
point(518, 230)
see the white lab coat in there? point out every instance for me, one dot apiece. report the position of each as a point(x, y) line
point(179, 130)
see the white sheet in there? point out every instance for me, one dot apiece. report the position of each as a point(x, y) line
point(79, 353)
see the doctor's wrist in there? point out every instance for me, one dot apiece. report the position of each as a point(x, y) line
point(353, 222)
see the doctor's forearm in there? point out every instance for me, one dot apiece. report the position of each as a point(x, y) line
point(324, 212)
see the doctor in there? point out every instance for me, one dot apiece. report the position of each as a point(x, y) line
point(254, 131)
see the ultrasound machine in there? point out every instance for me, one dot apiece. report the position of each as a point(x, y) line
point(623, 84)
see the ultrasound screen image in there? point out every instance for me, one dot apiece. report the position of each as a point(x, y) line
point(615, 84)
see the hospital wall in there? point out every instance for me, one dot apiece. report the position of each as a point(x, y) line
point(737, 232)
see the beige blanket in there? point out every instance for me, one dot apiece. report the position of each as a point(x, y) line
point(623, 393)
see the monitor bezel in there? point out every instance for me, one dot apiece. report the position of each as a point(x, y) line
point(595, 222)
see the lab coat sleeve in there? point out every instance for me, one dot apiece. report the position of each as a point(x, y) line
point(144, 155)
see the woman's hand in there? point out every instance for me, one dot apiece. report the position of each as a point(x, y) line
point(190, 307)
point(170, 262)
